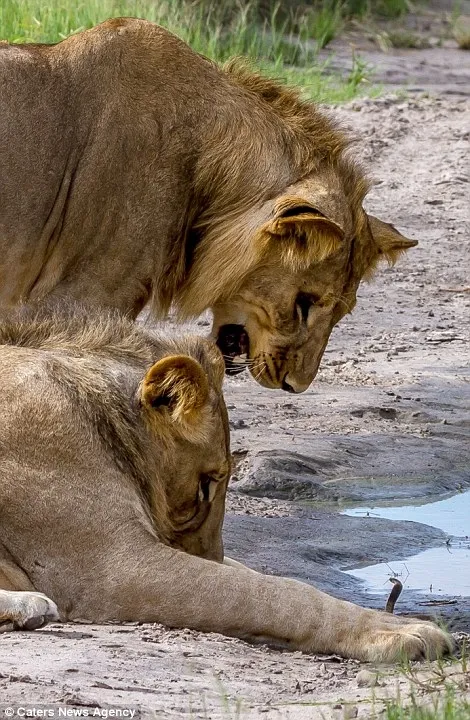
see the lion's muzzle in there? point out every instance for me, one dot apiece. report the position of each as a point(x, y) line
point(234, 343)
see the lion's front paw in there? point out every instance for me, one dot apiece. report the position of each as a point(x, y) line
point(413, 640)
point(26, 610)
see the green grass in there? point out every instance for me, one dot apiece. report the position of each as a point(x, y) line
point(461, 31)
point(331, 88)
point(445, 707)
point(383, 8)
point(210, 29)
point(206, 27)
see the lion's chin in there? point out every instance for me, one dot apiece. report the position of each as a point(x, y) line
point(234, 344)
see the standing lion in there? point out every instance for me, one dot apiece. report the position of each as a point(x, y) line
point(135, 171)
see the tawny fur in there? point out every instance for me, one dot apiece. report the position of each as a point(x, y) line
point(142, 172)
point(138, 538)
point(86, 353)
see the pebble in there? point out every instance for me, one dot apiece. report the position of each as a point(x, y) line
point(345, 712)
point(366, 678)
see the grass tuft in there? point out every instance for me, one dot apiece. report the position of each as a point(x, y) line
point(446, 706)
point(461, 31)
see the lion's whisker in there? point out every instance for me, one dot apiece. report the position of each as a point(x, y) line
point(341, 300)
point(256, 366)
point(241, 361)
point(263, 366)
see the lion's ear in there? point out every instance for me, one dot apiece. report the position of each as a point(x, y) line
point(304, 234)
point(391, 243)
point(176, 387)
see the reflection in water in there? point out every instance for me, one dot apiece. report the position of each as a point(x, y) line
point(439, 571)
point(451, 514)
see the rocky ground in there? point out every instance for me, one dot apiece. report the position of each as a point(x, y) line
point(387, 417)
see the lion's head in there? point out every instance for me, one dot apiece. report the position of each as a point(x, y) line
point(283, 241)
point(144, 408)
point(182, 401)
point(279, 321)
point(288, 278)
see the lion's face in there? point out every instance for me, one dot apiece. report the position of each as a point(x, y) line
point(309, 263)
point(197, 496)
point(185, 405)
point(279, 323)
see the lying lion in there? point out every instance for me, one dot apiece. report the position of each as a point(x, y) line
point(114, 464)
point(135, 171)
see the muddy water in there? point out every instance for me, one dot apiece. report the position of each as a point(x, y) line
point(441, 571)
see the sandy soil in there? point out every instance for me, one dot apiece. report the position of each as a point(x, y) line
point(389, 414)
point(391, 401)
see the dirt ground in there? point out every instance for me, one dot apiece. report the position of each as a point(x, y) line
point(391, 401)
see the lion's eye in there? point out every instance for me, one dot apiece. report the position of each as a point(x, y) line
point(207, 487)
point(204, 487)
point(303, 303)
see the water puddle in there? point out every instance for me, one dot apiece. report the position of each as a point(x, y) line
point(437, 571)
point(451, 514)
point(443, 570)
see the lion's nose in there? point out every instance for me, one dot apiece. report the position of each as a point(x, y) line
point(290, 384)
point(287, 387)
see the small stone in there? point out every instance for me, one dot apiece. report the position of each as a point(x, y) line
point(238, 424)
point(387, 413)
point(366, 678)
point(345, 712)
point(103, 685)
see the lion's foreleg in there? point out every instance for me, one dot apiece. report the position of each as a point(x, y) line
point(154, 583)
point(25, 610)
point(21, 607)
